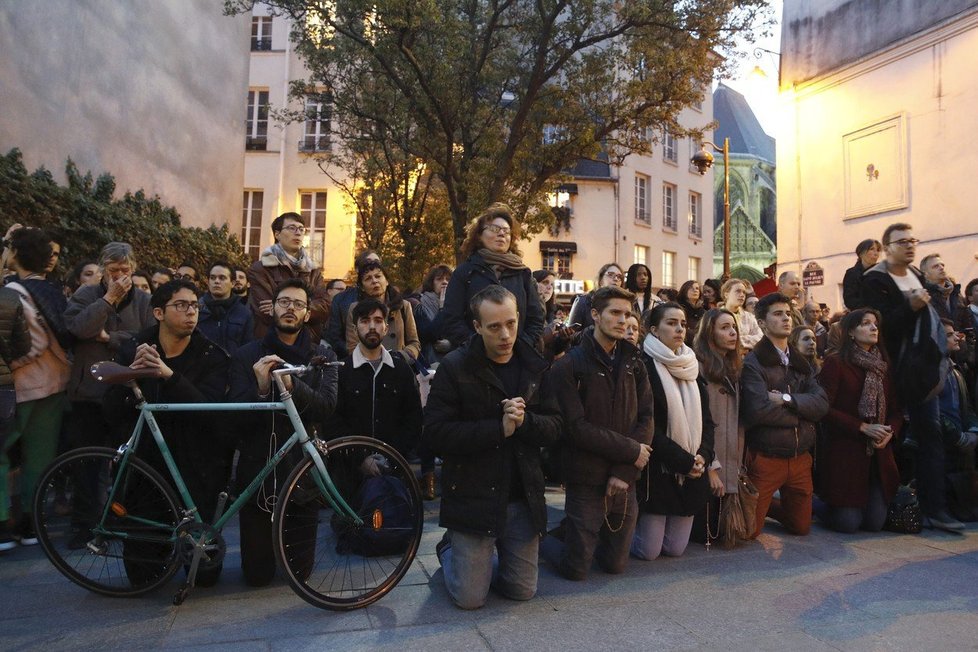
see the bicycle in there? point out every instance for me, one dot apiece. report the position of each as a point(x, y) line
point(112, 523)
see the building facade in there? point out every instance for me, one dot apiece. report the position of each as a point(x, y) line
point(654, 209)
point(149, 95)
point(878, 101)
point(280, 170)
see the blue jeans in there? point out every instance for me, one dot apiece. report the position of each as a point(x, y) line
point(508, 563)
point(926, 426)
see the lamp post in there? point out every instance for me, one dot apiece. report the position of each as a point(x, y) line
point(703, 160)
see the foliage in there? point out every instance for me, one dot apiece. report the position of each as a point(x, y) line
point(84, 215)
point(503, 97)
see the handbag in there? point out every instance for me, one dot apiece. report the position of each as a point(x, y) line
point(903, 515)
point(738, 513)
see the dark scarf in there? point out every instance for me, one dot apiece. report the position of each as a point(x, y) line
point(507, 260)
point(51, 303)
point(220, 307)
point(872, 401)
point(298, 353)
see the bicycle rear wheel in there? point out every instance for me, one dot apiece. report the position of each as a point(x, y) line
point(331, 561)
point(131, 549)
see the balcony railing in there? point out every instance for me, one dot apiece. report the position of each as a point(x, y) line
point(261, 44)
point(643, 216)
point(312, 144)
point(256, 143)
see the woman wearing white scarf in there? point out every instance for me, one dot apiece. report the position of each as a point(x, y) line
point(673, 487)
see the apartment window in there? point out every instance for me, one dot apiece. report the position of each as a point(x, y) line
point(553, 134)
point(668, 269)
point(669, 151)
point(251, 222)
point(261, 33)
point(693, 272)
point(256, 136)
point(312, 207)
point(642, 199)
point(315, 135)
point(668, 207)
point(558, 262)
point(696, 214)
point(641, 256)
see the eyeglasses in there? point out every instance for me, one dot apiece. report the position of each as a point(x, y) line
point(615, 276)
point(906, 242)
point(189, 277)
point(285, 303)
point(298, 229)
point(501, 230)
point(183, 306)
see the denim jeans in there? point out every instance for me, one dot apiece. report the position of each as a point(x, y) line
point(508, 563)
point(926, 426)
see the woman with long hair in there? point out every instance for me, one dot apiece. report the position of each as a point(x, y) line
point(858, 475)
point(720, 354)
point(733, 294)
point(402, 333)
point(638, 279)
point(492, 258)
point(691, 299)
point(674, 486)
point(711, 293)
point(803, 339)
point(580, 314)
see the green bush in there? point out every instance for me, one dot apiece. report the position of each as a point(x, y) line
point(85, 217)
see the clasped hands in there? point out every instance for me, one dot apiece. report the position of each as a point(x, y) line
point(514, 411)
point(879, 434)
point(148, 357)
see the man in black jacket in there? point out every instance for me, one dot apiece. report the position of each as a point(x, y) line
point(224, 316)
point(606, 401)
point(378, 394)
point(251, 382)
point(780, 403)
point(488, 418)
point(899, 291)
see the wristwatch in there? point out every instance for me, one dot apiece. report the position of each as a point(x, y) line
point(786, 398)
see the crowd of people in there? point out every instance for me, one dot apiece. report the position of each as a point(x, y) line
point(652, 409)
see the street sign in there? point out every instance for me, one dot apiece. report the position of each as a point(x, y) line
point(812, 275)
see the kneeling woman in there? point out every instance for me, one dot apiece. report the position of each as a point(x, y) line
point(858, 474)
point(674, 485)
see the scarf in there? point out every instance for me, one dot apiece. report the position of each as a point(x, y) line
point(429, 304)
point(298, 353)
point(507, 260)
point(872, 401)
point(299, 263)
point(219, 307)
point(678, 373)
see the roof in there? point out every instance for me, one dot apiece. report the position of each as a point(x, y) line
point(736, 121)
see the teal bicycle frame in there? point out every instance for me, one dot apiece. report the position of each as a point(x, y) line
point(313, 448)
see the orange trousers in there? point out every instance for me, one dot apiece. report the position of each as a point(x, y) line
point(793, 477)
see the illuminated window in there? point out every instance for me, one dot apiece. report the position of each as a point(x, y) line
point(312, 207)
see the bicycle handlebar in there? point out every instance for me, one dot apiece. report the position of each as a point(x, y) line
point(297, 370)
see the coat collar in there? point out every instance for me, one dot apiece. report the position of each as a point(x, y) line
point(359, 359)
point(476, 362)
point(768, 356)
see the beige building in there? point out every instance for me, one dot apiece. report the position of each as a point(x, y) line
point(280, 173)
point(149, 92)
point(879, 121)
point(654, 209)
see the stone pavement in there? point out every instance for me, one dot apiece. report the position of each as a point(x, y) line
point(822, 592)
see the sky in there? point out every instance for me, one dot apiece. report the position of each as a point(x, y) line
point(761, 92)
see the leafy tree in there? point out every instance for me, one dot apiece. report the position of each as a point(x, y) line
point(85, 216)
point(504, 96)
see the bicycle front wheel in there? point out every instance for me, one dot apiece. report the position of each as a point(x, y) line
point(106, 528)
point(331, 560)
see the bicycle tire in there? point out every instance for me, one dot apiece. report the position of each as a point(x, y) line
point(328, 561)
point(139, 556)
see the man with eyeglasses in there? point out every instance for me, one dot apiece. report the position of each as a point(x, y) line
point(224, 318)
point(284, 260)
point(187, 272)
point(898, 290)
point(260, 434)
point(190, 369)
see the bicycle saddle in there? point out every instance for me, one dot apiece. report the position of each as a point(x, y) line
point(114, 373)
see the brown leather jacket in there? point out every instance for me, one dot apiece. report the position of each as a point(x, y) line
point(267, 273)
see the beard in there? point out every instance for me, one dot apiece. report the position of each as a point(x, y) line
point(371, 341)
point(239, 291)
point(290, 329)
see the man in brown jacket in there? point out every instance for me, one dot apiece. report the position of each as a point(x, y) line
point(284, 260)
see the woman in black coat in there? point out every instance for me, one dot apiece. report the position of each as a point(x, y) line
point(674, 485)
point(492, 258)
point(868, 252)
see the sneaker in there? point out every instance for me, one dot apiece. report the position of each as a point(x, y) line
point(943, 521)
point(25, 531)
point(7, 541)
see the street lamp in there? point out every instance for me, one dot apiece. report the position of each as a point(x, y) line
point(703, 160)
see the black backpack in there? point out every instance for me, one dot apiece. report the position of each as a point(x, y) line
point(384, 504)
point(923, 365)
